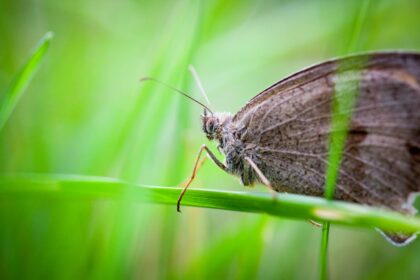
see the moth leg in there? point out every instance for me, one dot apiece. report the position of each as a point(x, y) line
point(312, 222)
point(196, 166)
point(262, 177)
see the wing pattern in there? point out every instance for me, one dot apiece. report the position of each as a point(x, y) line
point(285, 130)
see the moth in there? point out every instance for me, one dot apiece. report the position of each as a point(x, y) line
point(281, 136)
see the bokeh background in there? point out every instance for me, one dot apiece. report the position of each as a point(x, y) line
point(86, 113)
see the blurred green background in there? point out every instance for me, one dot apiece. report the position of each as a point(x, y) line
point(85, 112)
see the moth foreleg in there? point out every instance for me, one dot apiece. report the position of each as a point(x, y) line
point(195, 169)
point(262, 177)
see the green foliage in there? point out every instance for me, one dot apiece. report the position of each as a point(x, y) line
point(284, 205)
point(22, 79)
point(86, 113)
point(345, 98)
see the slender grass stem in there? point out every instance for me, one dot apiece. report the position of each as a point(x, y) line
point(341, 108)
point(286, 205)
point(324, 251)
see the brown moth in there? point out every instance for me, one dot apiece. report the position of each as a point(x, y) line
point(280, 137)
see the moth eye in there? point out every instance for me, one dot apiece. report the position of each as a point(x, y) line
point(210, 126)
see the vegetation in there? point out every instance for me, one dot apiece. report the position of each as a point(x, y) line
point(85, 119)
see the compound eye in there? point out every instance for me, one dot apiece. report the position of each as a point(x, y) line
point(210, 126)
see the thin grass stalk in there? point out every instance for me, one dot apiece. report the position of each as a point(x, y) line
point(342, 114)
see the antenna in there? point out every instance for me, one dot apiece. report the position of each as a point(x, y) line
point(198, 82)
point(177, 90)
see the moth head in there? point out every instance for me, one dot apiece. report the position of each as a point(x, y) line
point(210, 124)
point(213, 123)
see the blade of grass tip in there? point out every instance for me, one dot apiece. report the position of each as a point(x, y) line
point(22, 79)
point(344, 99)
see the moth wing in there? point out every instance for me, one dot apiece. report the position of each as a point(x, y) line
point(286, 129)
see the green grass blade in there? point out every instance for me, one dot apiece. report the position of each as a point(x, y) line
point(323, 260)
point(343, 101)
point(286, 205)
point(357, 28)
point(345, 96)
point(22, 79)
